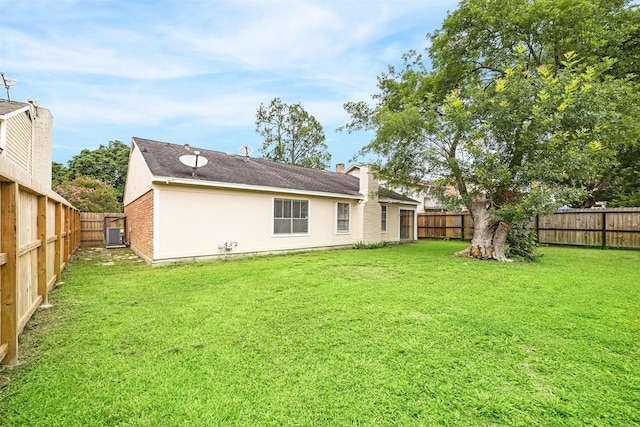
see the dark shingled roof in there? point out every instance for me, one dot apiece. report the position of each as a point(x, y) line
point(162, 158)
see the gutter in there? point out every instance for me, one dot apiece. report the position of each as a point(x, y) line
point(247, 187)
point(398, 202)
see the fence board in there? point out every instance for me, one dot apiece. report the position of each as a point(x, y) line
point(38, 234)
point(613, 228)
point(92, 226)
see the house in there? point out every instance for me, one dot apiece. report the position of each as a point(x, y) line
point(236, 205)
point(25, 143)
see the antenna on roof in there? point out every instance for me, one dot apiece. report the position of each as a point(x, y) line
point(193, 161)
point(8, 83)
point(245, 150)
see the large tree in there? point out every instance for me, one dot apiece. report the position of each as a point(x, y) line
point(518, 113)
point(107, 163)
point(291, 135)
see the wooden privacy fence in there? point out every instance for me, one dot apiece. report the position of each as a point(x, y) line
point(606, 228)
point(38, 235)
point(94, 226)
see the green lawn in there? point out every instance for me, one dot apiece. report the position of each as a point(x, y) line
point(399, 336)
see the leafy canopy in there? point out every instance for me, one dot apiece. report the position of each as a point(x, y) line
point(89, 194)
point(291, 135)
point(107, 163)
point(522, 105)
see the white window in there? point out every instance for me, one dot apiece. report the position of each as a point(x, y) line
point(383, 219)
point(344, 210)
point(290, 216)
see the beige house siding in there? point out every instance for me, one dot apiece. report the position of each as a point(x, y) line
point(138, 177)
point(180, 219)
point(19, 141)
point(393, 224)
point(26, 133)
point(193, 222)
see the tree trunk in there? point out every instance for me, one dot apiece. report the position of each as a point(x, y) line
point(489, 238)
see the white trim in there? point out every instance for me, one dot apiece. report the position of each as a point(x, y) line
point(348, 219)
point(156, 223)
point(198, 183)
point(398, 202)
point(15, 112)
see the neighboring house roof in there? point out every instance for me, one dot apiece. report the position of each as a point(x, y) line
point(7, 107)
point(162, 158)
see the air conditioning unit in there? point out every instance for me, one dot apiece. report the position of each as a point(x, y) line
point(115, 236)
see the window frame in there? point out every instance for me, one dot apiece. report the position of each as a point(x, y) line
point(339, 219)
point(384, 218)
point(288, 214)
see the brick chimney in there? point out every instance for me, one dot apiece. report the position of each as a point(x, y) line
point(340, 167)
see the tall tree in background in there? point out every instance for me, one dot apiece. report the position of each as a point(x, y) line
point(521, 112)
point(59, 174)
point(94, 177)
point(106, 163)
point(291, 135)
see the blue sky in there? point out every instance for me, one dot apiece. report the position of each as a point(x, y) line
point(195, 71)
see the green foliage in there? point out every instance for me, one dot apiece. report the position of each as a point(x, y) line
point(480, 40)
point(522, 106)
point(522, 244)
point(403, 336)
point(58, 174)
point(621, 184)
point(291, 135)
point(377, 245)
point(107, 163)
point(89, 194)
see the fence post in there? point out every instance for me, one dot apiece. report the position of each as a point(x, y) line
point(8, 275)
point(604, 229)
point(462, 226)
point(42, 249)
point(58, 244)
point(538, 228)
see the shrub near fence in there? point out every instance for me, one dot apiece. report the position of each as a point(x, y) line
point(38, 235)
point(606, 228)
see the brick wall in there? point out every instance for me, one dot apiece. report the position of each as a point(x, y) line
point(140, 225)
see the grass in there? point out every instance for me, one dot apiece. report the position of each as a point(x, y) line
point(397, 336)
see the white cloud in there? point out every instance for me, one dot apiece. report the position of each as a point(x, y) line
point(195, 65)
